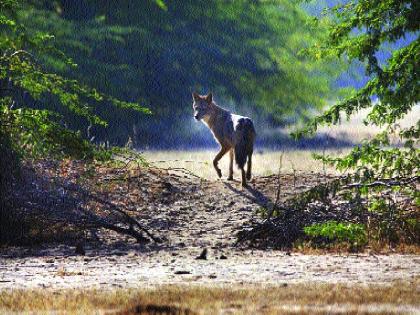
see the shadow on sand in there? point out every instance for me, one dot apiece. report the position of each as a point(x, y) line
point(252, 194)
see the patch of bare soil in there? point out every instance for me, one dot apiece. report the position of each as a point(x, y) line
point(191, 226)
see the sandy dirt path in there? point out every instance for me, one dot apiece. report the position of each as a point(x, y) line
point(191, 214)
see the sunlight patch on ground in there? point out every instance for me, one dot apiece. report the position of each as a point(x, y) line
point(264, 162)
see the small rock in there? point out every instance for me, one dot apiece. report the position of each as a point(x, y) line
point(231, 203)
point(80, 250)
point(182, 272)
point(203, 254)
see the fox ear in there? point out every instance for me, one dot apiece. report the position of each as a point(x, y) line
point(195, 96)
point(209, 98)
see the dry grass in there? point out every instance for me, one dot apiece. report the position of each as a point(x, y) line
point(212, 300)
point(267, 162)
point(264, 162)
point(355, 130)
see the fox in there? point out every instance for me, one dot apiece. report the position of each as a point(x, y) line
point(235, 134)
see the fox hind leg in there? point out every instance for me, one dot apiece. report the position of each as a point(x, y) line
point(249, 166)
point(231, 152)
point(244, 184)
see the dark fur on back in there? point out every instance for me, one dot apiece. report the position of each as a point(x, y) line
point(245, 137)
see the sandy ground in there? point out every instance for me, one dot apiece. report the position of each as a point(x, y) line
point(193, 214)
point(137, 269)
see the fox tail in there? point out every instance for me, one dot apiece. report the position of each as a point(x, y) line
point(244, 144)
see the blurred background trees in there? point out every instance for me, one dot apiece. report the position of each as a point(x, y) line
point(156, 53)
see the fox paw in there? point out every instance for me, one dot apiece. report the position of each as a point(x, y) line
point(219, 173)
point(230, 178)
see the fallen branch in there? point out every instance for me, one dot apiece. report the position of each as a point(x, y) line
point(129, 219)
point(128, 231)
point(391, 182)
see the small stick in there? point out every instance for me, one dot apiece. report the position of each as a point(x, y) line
point(294, 174)
point(323, 165)
point(185, 161)
point(275, 205)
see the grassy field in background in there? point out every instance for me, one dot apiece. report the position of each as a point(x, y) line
point(264, 162)
point(355, 130)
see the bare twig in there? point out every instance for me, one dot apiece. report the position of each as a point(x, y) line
point(294, 174)
point(184, 161)
point(275, 205)
point(22, 52)
point(324, 169)
point(179, 169)
point(129, 219)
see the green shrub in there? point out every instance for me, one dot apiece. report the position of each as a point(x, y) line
point(337, 232)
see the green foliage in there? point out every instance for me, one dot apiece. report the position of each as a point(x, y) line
point(24, 81)
point(360, 30)
point(34, 133)
point(27, 129)
point(388, 216)
point(339, 232)
point(385, 173)
point(413, 225)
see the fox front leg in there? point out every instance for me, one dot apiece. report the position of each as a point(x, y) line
point(216, 160)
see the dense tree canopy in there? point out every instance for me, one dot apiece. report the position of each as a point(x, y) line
point(156, 54)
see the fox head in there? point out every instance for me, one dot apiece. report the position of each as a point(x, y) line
point(202, 105)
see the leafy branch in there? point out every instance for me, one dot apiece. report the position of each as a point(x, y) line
point(360, 30)
point(21, 73)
